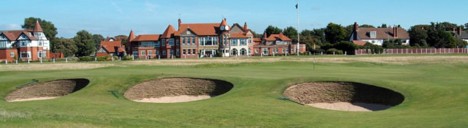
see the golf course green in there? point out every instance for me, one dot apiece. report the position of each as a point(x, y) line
point(435, 95)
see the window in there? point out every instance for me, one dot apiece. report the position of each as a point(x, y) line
point(150, 53)
point(135, 53)
point(184, 51)
point(171, 42)
point(193, 40)
point(164, 52)
point(177, 52)
point(243, 42)
point(189, 51)
point(234, 42)
point(3, 44)
point(209, 41)
point(12, 54)
point(183, 40)
point(193, 51)
point(143, 53)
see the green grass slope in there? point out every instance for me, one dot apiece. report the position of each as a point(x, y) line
point(435, 96)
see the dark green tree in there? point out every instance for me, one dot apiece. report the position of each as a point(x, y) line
point(366, 26)
point(335, 33)
point(65, 46)
point(272, 30)
point(291, 32)
point(418, 34)
point(97, 38)
point(85, 43)
point(383, 26)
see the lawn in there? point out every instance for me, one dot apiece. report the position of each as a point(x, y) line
point(435, 96)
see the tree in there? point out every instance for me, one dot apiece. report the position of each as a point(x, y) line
point(122, 38)
point(85, 43)
point(418, 34)
point(97, 38)
point(65, 46)
point(272, 30)
point(383, 26)
point(366, 26)
point(291, 32)
point(335, 33)
point(393, 43)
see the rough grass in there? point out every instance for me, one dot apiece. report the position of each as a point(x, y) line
point(435, 96)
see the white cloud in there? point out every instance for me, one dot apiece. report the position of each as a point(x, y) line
point(10, 26)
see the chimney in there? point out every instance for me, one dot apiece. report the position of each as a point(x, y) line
point(356, 26)
point(460, 29)
point(395, 31)
point(245, 27)
point(180, 22)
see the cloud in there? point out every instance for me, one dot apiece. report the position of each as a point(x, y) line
point(10, 26)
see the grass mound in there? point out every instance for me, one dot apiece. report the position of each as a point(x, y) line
point(171, 90)
point(344, 96)
point(47, 90)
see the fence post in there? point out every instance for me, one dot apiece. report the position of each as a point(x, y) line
point(66, 60)
point(53, 60)
point(40, 59)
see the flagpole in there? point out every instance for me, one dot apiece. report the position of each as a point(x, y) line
point(298, 35)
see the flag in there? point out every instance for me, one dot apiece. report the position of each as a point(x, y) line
point(297, 6)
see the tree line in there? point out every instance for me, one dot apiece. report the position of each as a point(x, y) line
point(83, 43)
point(333, 38)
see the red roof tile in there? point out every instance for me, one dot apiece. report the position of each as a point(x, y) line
point(110, 46)
point(238, 35)
point(274, 37)
point(382, 33)
point(359, 43)
point(168, 33)
point(149, 37)
point(37, 27)
point(200, 29)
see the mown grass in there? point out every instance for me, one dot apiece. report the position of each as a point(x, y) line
point(435, 97)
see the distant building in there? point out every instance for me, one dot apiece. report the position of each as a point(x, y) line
point(377, 36)
point(277, 44)
point(24, 44)
point(110, 47)
point(460, 34)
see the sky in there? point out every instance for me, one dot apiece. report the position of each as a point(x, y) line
point(118, 17)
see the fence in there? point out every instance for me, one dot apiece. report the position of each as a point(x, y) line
point(415, 51)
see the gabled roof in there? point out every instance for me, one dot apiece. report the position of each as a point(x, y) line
point(382, 33)
point(200, 29)
point(274, 37)
point(359, 43)
point(131, 36)
point(223, 23)
point(110, 46)
point(238, 35)
point(149, 37)
point(168, 33)
point(15, 34)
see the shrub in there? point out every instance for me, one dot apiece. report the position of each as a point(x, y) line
point(86, 58)
point(333, 50)
point(128, 57)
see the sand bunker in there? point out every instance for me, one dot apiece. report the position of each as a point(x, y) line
point(46, 90)
point(175, 90)
point(344, 96)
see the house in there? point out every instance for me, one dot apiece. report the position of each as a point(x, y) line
point(376, 36)
point(110, 47)
point(213, 39)
point(144, 46)
point(460, 34)
point(276, 44)
point(25, 45)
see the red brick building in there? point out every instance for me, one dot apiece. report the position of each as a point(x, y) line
point(111, 48)
point(24, 45)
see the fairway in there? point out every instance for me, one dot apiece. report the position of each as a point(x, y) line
point(434, 89)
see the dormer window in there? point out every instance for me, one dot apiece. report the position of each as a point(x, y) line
point(373, 34)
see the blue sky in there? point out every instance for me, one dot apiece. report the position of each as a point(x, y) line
point(115, 17)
